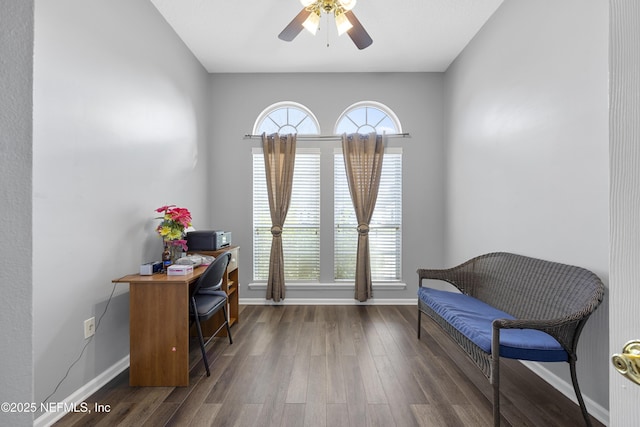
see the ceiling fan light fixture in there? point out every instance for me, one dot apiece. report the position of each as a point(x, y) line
point(342, 23)
point(312, 23)
point(347, 4)
point(346, 21)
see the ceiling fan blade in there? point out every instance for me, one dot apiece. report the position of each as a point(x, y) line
point(357, 33)
point(293, 29)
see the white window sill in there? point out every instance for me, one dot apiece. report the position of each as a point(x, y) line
point(385, 286)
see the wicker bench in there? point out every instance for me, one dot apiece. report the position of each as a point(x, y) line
point(528, 308)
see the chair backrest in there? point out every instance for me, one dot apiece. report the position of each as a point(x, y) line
point(563, 296)
point(212, 276)
point(531, 288)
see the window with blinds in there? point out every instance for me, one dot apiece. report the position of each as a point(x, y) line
point(385, 229)
point(301, 230)
point(301, 234)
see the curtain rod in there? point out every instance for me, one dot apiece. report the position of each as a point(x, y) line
point(331, 137)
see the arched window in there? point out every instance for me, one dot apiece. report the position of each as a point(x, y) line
point(301, 233)
point(286, 117)
point(301, 230)
point(366, 117)
point(385, 228)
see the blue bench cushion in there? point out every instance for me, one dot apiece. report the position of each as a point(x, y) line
point(473, 318)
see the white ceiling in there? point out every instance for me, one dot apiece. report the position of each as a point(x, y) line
point(240, 36)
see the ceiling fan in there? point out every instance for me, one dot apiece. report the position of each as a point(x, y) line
point(346, 21)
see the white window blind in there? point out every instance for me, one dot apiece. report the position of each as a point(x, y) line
point(385, 229)
point(301, 230)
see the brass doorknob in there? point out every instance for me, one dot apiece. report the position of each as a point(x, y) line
point(628, 363)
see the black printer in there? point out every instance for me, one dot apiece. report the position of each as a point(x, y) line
point(208, 240)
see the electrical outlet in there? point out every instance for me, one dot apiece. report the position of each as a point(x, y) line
point(89, 327)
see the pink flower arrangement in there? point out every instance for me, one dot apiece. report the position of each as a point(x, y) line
point(174, 222)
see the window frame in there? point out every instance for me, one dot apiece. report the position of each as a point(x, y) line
point(348, 113)
point(380, 224)
point(369, 104)
point(307, 262)
point(327, 278)
point(280, 105)
point(258, 230)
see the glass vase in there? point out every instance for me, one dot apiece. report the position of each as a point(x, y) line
point(176, 252)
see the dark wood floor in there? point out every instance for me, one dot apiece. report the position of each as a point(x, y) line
point(333, 366)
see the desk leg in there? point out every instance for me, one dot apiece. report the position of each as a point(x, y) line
point(159, 334)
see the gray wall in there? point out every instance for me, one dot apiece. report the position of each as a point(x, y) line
point(416, 98)
point(16, 51)
point(527, 150)
point(120, 128)
point(103, 76)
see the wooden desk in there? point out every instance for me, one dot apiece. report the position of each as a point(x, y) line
point(159, 326)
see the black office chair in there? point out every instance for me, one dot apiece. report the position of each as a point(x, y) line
point(207, 299)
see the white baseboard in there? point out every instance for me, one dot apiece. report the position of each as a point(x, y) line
point(596, 410)
point(83, 392)
point(329, 301)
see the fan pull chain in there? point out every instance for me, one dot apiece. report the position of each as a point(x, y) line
point(327, 32)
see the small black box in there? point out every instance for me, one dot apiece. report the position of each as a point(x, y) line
point(210, 240)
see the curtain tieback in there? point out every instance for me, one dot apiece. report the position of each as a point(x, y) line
point(276, 230)
point(363, 229)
